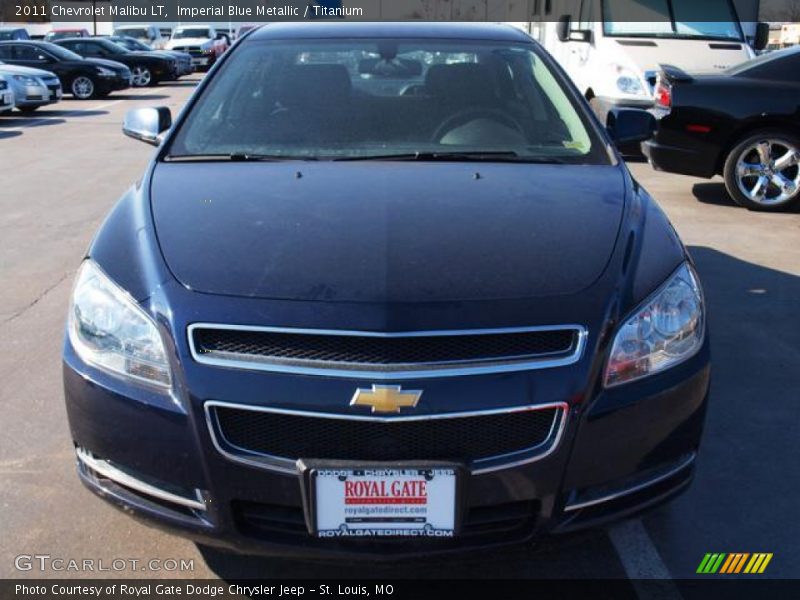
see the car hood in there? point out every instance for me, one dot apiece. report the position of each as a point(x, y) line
point(696, 56)
point(186, 42)
point(155, 54)
point(102, 62)
point(386, 232)
point(17, 70)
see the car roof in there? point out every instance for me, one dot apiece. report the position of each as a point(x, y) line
point(442, 30)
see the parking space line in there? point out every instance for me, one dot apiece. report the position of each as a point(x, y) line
point(77, 111)
point(641, 561)
point(66, 115)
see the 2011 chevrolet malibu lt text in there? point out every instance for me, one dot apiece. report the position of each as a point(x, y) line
point(385, 289)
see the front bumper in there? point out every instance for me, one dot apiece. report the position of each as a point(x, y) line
point(6, 100)
point(622, 450)
point(602, 105)
point(38, 96)
point(106, 85)
point(203, 61)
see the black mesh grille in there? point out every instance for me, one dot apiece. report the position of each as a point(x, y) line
point(381, 352)
point(465, 439)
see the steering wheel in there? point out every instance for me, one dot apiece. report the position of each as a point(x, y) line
point(471, 114)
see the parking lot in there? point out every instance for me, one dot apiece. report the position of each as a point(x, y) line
point(63, 168)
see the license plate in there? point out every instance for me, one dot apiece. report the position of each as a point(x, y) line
point(385, 502)
point(199, 61)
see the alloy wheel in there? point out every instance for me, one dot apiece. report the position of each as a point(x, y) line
point(768, 171)
point(141, 76)
point(83, 87)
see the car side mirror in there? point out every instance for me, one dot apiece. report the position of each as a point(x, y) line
point(565, 32)
point(630, 125)
point(762, 36)
point(562, 27)
point(147, 124)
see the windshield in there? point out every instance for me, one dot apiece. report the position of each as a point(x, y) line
point(60, 52)
point(132, 32)
point(671, 19)
point(132, 44)
point(60, 35)
point(112, 48)
point(361, 98)
point(191, 33)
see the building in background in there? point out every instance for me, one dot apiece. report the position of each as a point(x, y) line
point(783, 35)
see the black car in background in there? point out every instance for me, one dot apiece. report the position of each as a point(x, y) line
point(184, 59)
point(81, 77)
point(148, 68)
point(743, 124)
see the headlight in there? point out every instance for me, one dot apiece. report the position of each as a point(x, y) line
point(25, 80)
point(666, 330)
point(109, 330)
point(103, 72)
point(627, 80)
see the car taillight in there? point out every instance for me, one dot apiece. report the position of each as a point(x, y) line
point(663, 94)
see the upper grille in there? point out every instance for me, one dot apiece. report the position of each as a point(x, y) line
point(471, 438)
point(282, 349)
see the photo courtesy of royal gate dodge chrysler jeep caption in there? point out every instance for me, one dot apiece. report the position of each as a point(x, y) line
point(385, 289)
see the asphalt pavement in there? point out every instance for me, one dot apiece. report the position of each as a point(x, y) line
point(62, 169)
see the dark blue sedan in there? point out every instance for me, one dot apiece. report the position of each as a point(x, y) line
point(385, 289)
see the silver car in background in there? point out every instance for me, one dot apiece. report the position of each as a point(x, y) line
point(32, 88)
point(6, 95)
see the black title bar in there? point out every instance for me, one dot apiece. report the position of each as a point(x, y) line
point(258, 11)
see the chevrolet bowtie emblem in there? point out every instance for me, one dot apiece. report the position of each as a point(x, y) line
point(386, 398)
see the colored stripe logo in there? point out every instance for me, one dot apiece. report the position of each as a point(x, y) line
point(734, 563)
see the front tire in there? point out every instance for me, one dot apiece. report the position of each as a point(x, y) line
point(83, 87)
point(762, 172)
point(142, 76)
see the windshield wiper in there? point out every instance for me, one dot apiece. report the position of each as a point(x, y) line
point(234, 157)
point(439, 156)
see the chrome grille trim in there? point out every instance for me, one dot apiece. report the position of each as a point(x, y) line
point(672, 471)
point(109, 471)
point(290, 466)
point(419, 371)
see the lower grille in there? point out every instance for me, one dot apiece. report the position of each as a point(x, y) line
point(387, 355)
point(512, 521)
point(472, 438)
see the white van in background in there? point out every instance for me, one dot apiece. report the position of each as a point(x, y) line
point(614, 59)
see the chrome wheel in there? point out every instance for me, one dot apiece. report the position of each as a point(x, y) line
point(767, 171)
point(83, 87)
point(141, 76)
